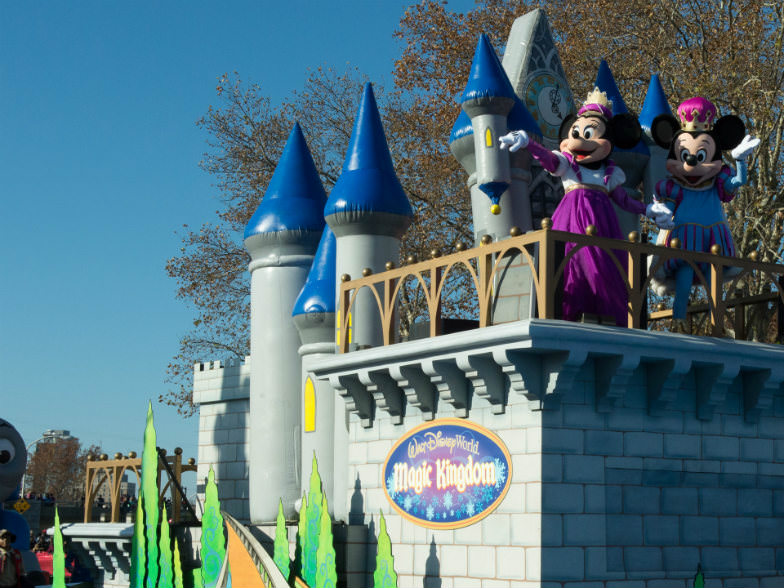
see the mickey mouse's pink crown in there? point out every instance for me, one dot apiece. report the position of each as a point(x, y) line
point(596, 104)
point(697, 114)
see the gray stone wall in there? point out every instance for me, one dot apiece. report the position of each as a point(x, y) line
point(615, 498)
point(222, 391)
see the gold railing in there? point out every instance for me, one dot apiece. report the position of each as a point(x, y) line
point(102, 470)
point(543, 251)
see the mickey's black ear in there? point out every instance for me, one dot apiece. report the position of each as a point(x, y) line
point(663, 129)
point(566, 124)
point(625, 130)
point(729, 132)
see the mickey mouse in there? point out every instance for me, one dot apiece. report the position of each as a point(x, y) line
point(593, 283)
point(698, 185)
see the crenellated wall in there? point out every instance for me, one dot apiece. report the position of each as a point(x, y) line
point(222, 391)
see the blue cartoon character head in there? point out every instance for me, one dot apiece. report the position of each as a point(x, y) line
point(13, 461)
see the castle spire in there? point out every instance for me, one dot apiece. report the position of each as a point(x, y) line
point(488, 99)
point(294, 197)
point(281, 239)
point(632, 161)
point(368, 187)
point(655, 103)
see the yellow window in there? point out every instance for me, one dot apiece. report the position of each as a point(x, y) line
point(488, 137)
point(337, 327)
point(310, 406)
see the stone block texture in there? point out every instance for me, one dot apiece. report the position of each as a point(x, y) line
point(625, 498)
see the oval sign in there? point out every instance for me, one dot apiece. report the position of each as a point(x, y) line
point(447, 473)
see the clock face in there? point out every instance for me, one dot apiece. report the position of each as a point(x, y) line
point(549, 101)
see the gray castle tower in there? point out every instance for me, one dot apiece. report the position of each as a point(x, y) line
point(323, 412)
point(498, 180)
point(655, 104)
point(632, 161)
point(281, 239)
point(368, 211)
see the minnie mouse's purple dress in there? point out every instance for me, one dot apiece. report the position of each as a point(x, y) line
point(593, 282)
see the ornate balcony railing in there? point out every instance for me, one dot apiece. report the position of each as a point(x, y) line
point(543, 252)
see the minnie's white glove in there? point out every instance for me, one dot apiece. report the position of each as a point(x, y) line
point(514, 140)
point(660, 214)
point(744, 149)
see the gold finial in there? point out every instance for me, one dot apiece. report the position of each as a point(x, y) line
point(634, 237)
point(495, 209)
point(675, 243)
point(547, 223)
point(460, 246)
point(367, 272)
point(590, 230)
point(486, 240)
point(515, 232)
point(754, 255)
point(390, 265)
point(411, 258)
point(345, 278)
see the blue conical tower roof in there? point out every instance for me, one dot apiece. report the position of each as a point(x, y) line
point(487, 77)
point(606, 83)
point(655, 103)
point(294, 200)
point(368, 182)
point(318, 293)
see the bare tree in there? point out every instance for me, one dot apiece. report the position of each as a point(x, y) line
point(730, 52)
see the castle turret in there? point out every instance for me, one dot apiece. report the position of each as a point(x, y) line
point(281, 239)
point(632, 161)
point(515, 205)
point(654, 105)
point(488, 99)
point(323, 412)
point(369, 212)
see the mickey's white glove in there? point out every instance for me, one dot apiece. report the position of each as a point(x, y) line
point(660, 214)
point(514, 140)
point(744, 149)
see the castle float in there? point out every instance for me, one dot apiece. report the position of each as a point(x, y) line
point(525, 450)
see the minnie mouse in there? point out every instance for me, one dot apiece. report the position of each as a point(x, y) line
point(593, 284)
point(698, 185)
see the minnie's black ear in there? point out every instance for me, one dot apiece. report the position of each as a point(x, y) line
point(566, 124)
point(663, 129)
point(625, 130)
point(729, 132)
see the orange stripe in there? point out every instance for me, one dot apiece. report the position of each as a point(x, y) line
point(243, 571)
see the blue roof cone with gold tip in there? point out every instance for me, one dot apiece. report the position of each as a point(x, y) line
point(488, 98)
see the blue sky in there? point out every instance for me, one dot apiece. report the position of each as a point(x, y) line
point(99, 157)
